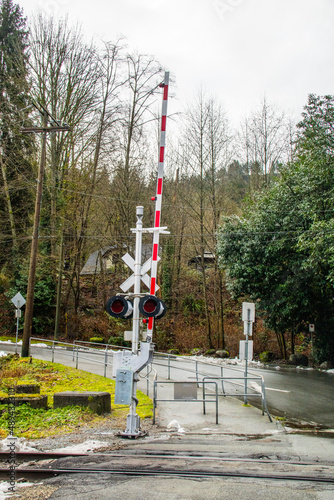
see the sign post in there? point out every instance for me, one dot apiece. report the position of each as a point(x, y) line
point(311, 329)
point(248, 317)
point(18, 302)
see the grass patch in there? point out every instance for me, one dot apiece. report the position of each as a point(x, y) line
point(54, 377)
point(6, 338)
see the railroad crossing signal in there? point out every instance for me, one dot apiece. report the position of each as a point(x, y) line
point(152, 307)
point(119, 307)
point(149, 306)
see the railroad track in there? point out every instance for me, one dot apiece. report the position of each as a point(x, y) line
point(38, 465)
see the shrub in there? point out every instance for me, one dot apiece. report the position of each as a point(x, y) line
point(119, 341)
point(266, 356)
point(97, 340)
point(173, 351)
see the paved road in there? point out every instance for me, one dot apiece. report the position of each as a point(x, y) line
point(299, 395)
point(309, 394)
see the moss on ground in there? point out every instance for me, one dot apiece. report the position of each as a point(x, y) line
point(52, 378)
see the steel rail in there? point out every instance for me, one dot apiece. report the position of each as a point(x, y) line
point(29, 472)
point(43, 455)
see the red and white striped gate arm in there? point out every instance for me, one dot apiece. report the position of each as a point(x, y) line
point(158, 197)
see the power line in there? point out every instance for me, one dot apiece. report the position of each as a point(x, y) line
point(193, 235)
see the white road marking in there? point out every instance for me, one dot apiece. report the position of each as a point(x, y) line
point(277, 390)
point(257, 388)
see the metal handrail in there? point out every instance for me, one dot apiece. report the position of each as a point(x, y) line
point(155, 398)
point(250, 376)
point(74, 352)
point(261, 394)
point(76, 342)
point(75, 356)
point(149, 370)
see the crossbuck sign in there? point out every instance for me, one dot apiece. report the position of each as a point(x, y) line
point(129, 261)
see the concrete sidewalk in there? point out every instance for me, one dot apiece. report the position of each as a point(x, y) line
point(245, 429)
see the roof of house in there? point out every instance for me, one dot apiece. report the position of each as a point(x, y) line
point(197, 259)
point(93, 263)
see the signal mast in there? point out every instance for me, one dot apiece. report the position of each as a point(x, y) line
point(126, 305)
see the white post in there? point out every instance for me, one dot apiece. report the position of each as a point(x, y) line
point(248, 317)
point(246, 353)
point(18, 315)
point(18, 302)
point(133, 420)
point(137, 278)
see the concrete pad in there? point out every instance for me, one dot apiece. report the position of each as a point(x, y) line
point(99, 402)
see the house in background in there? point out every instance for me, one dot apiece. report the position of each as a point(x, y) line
point(196, 262)
point(110, 256)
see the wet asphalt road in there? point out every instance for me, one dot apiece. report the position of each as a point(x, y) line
point(300, 395)
point(309, 394)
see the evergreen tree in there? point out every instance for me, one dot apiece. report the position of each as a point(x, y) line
point(16, 191)
point(281, 253)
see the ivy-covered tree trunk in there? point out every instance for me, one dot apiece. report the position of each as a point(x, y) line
point(16, 150)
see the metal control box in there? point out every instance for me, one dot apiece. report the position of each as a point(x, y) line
point(123, 391)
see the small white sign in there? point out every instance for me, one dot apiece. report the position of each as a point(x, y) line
point(128, 335)
point(248, 311)
point(242, 350)
point(18, 300)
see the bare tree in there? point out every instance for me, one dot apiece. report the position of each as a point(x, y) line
point(265, 141)
point(65, 77)
point(207, 144)
point(129, 165)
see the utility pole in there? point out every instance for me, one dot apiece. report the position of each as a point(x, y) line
point(55, 127)
point(60, 272)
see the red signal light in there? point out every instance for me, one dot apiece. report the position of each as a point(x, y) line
point(119, 307)
point(152, 307)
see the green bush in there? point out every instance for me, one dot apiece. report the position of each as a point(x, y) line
point(44, 294)
point(97, 340)
point(266, 356)
point(119, 341)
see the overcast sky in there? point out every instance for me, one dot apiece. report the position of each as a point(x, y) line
point(236, 50)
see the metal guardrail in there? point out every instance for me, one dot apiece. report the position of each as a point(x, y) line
point(77, 349)
point(73, 350)
point(245, 379)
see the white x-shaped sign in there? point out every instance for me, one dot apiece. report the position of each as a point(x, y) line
point(129, 261)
